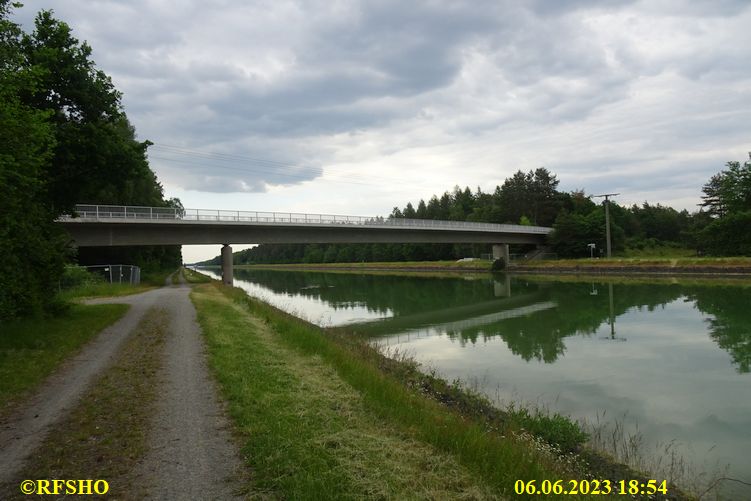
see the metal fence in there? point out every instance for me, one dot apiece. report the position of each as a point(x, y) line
point(117, 273)
point(128, 213)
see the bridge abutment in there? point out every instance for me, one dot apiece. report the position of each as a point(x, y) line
point(227, 265)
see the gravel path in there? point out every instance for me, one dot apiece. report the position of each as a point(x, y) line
point(191, 454)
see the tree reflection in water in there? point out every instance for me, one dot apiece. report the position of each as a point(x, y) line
point(581, 308)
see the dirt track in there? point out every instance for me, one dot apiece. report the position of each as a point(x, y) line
point(191, 454)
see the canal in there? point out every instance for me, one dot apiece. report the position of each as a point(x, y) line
point(658, 369)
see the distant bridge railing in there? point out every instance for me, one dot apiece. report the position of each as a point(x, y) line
point(166, 214)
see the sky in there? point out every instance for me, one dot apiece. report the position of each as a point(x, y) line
point(347, 107)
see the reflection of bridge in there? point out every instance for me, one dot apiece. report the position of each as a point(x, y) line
point(106, 225)
point(458, 318)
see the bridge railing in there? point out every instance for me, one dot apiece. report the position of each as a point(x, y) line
point(135, 213)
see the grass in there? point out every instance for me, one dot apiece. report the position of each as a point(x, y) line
point(644, 262)
point(102, 289)
point(156, 278)
point(105, 434)
point(193, 277)
point(321, 419)
point(31, 349)
point(393, 265)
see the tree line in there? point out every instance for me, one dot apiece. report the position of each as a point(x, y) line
point(65, 140)
point(721, 226)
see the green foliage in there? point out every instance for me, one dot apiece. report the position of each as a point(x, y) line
point(554, 429)
point(32, 248)
point(728, 236)
point(729, 191)
point(727, 197)
point(76, 276)
point(532, 194)
point(574, 232)
point(65, 141)
point(498, 264)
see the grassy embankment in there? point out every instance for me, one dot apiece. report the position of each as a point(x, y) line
point(672, 264)
point(105, 434)
point(478, 265)
point(31, 349)
point(195, 278)
point(645, 262)
point(320, 416)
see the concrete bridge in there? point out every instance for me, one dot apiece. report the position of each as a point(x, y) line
point(107, 225)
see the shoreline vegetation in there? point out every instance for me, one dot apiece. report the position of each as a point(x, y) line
point(274, 368)
point(726, 267)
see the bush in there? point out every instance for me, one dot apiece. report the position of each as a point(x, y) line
point(498, 265)
point(77, 276)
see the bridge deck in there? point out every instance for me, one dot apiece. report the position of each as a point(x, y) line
point(104, 225)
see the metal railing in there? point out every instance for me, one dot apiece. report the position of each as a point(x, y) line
point(132, 213)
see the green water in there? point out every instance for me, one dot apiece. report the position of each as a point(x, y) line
point(670, 362)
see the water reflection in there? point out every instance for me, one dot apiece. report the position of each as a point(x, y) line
point(533, 317)
point(729, 323)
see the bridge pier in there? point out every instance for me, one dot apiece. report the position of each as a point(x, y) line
point(501, 251)
point(227, 265)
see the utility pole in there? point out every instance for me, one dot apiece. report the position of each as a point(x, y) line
point(607, 217)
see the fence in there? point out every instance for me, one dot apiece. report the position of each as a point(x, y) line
point(117, 273)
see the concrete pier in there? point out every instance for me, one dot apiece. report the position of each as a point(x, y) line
point(227, 265)
point(501, 251)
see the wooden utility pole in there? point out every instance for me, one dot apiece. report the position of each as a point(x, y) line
point(607, 217)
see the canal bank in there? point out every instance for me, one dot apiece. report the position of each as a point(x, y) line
point(698, 266)
point(621, 351)
point(493, 448)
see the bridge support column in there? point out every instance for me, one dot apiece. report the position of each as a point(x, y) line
point(227, 270)
point(501, 251)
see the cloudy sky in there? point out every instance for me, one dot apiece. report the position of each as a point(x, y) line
point(355, 107)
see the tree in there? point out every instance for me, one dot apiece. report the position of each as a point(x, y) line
point(65, 140)
point(727, 197)
point(728, 236)
point(729, 191)
point(572, 233)
point(32, 247)
point(532, 194)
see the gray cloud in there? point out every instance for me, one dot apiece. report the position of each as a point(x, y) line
point(638, 85)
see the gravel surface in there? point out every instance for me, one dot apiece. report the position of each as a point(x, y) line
point(192, 455)
point(191, 452)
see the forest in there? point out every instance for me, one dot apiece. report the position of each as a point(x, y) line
point(65, 140)
point(719, 228)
